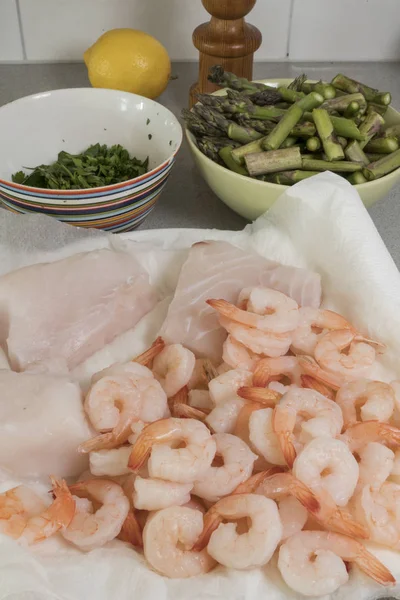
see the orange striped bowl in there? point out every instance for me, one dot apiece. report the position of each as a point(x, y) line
point(34, 129)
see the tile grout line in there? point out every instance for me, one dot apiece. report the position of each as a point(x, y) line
point(21, 31)
point(289, 30)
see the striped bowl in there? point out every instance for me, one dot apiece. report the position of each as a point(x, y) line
point(34, 129)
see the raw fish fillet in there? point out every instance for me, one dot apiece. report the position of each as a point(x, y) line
point(69, 309)
point(220, 270)
point(42, 422)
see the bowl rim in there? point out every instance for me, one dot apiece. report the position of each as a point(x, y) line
point(67, 195)
point(190, 138)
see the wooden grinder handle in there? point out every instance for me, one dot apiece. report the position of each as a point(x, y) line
point(225, 40)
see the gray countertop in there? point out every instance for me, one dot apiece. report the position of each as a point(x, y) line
point(187, 201)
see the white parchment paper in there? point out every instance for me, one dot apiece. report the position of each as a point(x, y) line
point(321, 224)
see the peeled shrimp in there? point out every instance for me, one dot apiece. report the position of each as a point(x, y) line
point(183, 465)
point(267, 310)
point(110, 463)
point(168, 537)
point(359, 435)
point(344, 353)
point(236, 355)
point(24, 516)
point(263, 438)
point(238, 461)
point(173, 368)
point(257, 341)
point(293, 516)
point(223, 393)
point(223, 418)
point(91, 528)
point(376, 464)
point(315, 414)
point(374, 399)
point(247, 550)
point(312, 562)
point(156, 494)
point(328, 464)
point(313, 324)
point(284, 367)
point(379, 510)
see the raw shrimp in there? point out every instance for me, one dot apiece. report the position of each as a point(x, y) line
point(110, 463)
point(173, 368)
point(374, 399)
point(309, 410)
point(156, 494)
point(247, 550)
point(223, 418)
point(312, 562)
point(91, 529)
point(236, 355)
point(183, 465)
point(259, 342)
point(24, 516)
point(328, 463)
point(359, 435)
point(346, 354)
point(168, 537)
point(238, 461)
point(313, 324)
point(267, 310)
point(379, 510)
point(263, 438)
point(375, 465)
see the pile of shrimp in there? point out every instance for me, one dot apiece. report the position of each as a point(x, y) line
point(286, 449)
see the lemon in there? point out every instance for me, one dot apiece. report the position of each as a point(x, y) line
point(129, 60)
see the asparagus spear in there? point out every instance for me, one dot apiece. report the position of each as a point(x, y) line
point(289, 95)
point(263, 127)
point(382, 167)
point(305, 129)
point(377, 108)
point(298, 82)
point(382, 145)
point(230, 128)
point(351, 86)
point(352, 110)
point(325, 89)
point(209, 149)
point(271, 162)
point(212, 117)
point(373, 156)
point(290, 119)
point(313, 144)
point(393, 131)
point(266, 97)
point(323, 123)
point(371, 126)
point(354, 152)
point(356, 178)
point(292, 177)
point(238, 154)
point(223, 78)
point(340, 166)
point(226, 155)
point(289, 142)
point(340, 104)
point(346, 128)
point(198, 126)
point(342, 141)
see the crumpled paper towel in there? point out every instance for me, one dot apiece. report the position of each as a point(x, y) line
point(321, 224)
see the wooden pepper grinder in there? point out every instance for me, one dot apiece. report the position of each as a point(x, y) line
point(226, 40)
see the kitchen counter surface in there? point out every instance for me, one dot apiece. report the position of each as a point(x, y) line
point(187, 201)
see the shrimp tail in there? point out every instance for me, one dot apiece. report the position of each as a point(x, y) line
point(104, 441)
point(305, 496)
point(131, 531)
point(147, 357)
point(261, 374)
point(210, 372)
point(268, 398)
point(181, 397)
point(370, 565)
point(251, 485)
point(183, 411)
point(212, 520)
point(225, 308)
point(139, 454)
point(311, 367)
point(343, 522)
point(283, 425)
point(62, 510)
point(309, 382)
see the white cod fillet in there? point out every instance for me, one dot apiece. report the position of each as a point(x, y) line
point(69, 309)
point(42, 422)
point(220, 270)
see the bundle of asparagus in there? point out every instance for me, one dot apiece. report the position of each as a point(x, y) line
point(287, 134)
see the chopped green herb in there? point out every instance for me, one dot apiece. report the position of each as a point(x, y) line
point(97, 166)
point(148, 121)
point(149, 136)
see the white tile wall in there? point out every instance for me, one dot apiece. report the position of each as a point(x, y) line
point(317, 30)
point(10, 37)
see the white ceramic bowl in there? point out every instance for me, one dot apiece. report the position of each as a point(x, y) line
point(33, 130)
point(250, 198)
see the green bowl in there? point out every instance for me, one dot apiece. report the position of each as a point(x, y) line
point(250, 198)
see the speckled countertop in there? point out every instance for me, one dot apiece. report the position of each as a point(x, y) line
point(187, 201)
